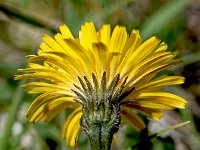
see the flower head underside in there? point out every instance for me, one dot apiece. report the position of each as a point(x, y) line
point(102, 76)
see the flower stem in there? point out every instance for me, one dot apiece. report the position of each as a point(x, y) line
point(100, 137)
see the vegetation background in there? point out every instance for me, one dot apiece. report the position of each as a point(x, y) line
point(23, 22)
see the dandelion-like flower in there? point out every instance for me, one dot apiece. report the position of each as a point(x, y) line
point(106, 78)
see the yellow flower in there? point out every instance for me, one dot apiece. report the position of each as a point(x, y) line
point(75, 71)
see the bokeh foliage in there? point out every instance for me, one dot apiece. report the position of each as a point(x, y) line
point(22, 23)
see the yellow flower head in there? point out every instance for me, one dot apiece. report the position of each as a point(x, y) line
point(98, 72)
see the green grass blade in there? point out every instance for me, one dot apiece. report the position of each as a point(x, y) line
point(162, 17)
point(171, 128)
point(16, 101)
point(159, 133)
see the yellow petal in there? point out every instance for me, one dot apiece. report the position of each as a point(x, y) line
point(143, 51)
point(53, 78)
point(47, 73)
point(100, 58)
point(89, 65)
point(44, 47)
point(62, 65)
point(155, 60)
point(117, 42)
point(49, 110)
point(49, 85)
point(161, 47)
point(132, 44)
point(166, 81)
point(104, 34)
point(52, 60)
point(58, 105)
point(154, 99)
point(66, 47)
point(72, 126)
point(75, 134)
point(149, 112)
point(66, 33)
point(154, 105)
point(118, 39)
point(47, 97)
point(88, 35)
point(163, 95)
point(73, 62)
point(52, 43)
point(149, 73)
point(132, 119)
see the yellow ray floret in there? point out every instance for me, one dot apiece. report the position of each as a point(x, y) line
point(72, 127)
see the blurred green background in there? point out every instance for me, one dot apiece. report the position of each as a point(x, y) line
point(23, 22)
